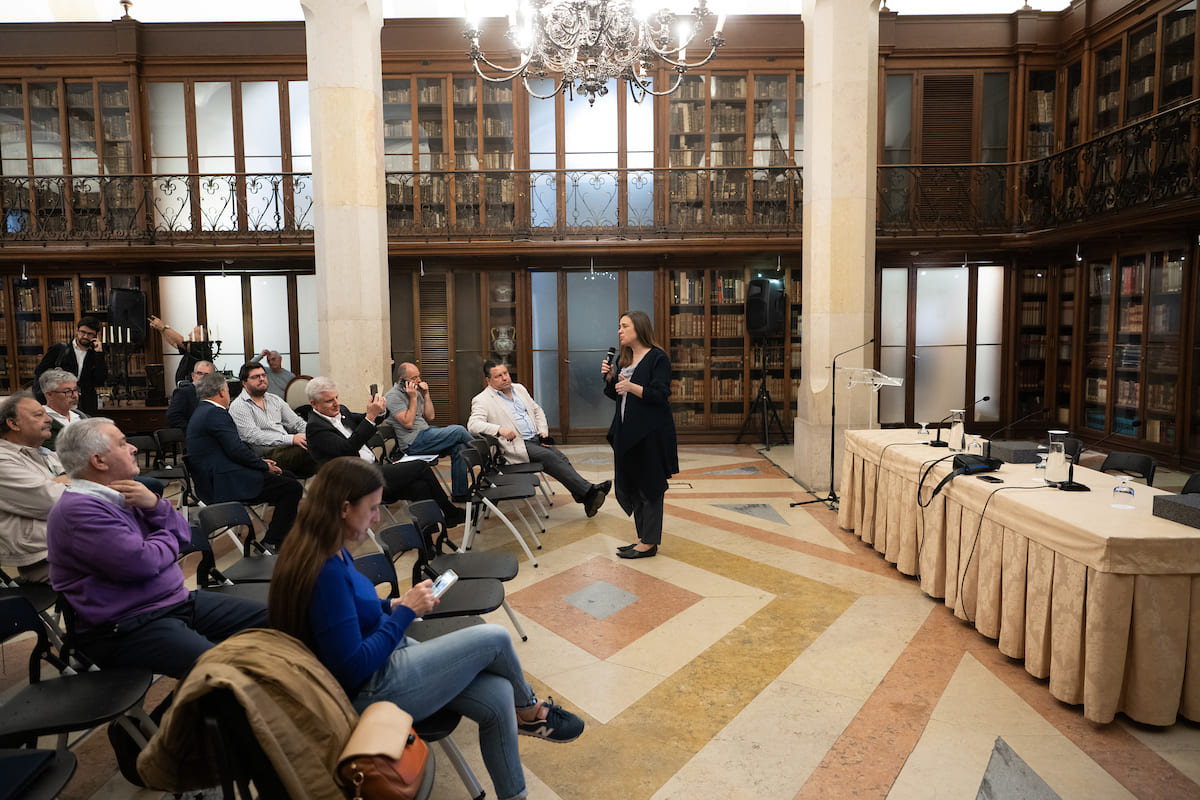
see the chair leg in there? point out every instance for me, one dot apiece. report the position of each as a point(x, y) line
point(532, 534)
point(465, 773)
point(516, 622)
point(533, 512)
point(513, 529)
point(468, 530)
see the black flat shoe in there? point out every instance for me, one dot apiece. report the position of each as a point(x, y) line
point(626, 547)
point(653, 551)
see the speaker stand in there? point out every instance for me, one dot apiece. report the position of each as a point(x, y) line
point(763, 405)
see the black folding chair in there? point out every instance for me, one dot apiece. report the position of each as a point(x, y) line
point(257, 563)
point(468, 566)
point(172, 443)
point(465, 598)
point(149, 459)
point(484, 495)
point(70, 702)
point(1193, 484)
point(1132, 464)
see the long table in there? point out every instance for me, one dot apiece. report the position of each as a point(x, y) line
point(1104, 602)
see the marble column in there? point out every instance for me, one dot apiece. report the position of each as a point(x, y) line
point(345, 90)
point(841, 124)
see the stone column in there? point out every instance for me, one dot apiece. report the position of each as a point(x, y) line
point(841, 124)
point(345, 90)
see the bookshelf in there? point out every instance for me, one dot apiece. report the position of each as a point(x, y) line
point(431, 153)
point(772, 149)
point(1177, 76)
point(1073, 133)
point(499, 184)
point(1039, 114)
point(1107, 87)
point(398, 150)
point(1097, 353)
point(1164, 315)
point(1140, 72)
point(1064, 379)
point(687, 122)
point(1034, 374)
point(728, 150)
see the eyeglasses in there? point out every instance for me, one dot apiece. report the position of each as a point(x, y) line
point(64, 391)
point(88, 334)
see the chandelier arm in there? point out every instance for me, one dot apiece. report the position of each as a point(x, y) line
point(686, 65)
point(511, 71)
point(650, 90)
point(557, 89)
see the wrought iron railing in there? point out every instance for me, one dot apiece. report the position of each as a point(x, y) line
point(1152, 161)
point(1149, 162)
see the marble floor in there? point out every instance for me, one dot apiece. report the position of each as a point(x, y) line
point(765, 653)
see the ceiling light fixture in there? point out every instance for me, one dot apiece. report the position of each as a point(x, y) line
point(1078, 254)
point(584, 44)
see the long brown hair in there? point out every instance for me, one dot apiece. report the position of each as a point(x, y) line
point(644, 329)
point(316, 536)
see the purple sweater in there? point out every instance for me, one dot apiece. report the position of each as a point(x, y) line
point(115, 562)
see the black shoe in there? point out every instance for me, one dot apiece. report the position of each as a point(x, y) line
point(596, 497)
point(454, 516)
point(625, 547)
point(459, 498)
point(653, 551)
point(126, 750)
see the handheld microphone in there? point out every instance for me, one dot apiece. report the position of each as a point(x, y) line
point(610, 358)
point(938, 441)
point(1011, 425)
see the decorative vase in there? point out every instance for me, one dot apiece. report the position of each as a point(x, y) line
point(503, 294)
point(502, 341)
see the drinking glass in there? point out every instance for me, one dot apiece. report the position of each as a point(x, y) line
point(1122, 494)
point(975, 445)
point(1041, 465)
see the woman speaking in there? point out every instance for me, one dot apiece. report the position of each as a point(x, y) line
point(642, 433)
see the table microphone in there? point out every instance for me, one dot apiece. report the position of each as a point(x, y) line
point(1135, 424)
point(1010, 425)
point(938, 441)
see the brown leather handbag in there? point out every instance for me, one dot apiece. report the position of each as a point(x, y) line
point(384, 759)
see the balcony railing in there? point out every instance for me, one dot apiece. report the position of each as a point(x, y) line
point(1150, 162)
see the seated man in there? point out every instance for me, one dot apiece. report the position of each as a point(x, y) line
point(113, 551)
point(183, 398)
point(266, 423)
point(61, 390)
point(336, 431)
point(410, 410)
point(277, 377)
point(506, 410)
point(31, 481)
point(226, 469)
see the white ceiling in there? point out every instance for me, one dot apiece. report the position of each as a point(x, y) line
point(241, 10)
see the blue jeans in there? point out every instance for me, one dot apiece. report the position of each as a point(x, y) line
point(443, 441)
point(474, 672)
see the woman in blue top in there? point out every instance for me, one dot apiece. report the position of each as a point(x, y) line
point(320, 598)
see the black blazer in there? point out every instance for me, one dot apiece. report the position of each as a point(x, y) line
point(326, 442)
point(644, 442)
point(182, 406)
point(223, 466)
point(93, 374)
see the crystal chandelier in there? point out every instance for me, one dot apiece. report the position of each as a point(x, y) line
point(586, 43)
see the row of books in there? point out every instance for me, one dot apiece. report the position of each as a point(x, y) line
point(1129, 392)
point(1033, 313)
point(1130, 318)
point(1161, 397)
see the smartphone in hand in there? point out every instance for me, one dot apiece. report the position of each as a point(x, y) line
point(374, 389)
point(444, 582)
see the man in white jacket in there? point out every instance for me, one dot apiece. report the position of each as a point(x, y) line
point(506, 410)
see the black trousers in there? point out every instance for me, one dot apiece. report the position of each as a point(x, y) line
point(284, 494)
point(413, 481)
point(169, 641)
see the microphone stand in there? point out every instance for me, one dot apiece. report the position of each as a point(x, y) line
point(1069, 485)
point(831, 499)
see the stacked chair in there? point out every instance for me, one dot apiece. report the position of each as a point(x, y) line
point(484, 493)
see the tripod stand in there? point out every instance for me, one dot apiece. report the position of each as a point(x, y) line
point(763, 405)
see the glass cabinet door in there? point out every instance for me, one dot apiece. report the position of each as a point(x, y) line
point(499, 184)
point(686, 118)
point(687, 340)
point(115, 131)
point(60, 309)
point(1139, 72)
point(727, 349)
point(85, 156)
point(1128, 344)
point(5, 376)
point(1163, 362)
point(465, 118)
point(431, 152)
point(398, 153)
point(772, 149)
point(1096, 345)
point(1064, 369)
point(1108, 89)
point(727, 133)
point(27, 316)
point(1178, 55)
point(1031, 340)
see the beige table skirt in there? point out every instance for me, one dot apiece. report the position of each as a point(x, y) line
point(1104, 603)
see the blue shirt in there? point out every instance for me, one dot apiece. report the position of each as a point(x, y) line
point(519, 414)
point(354, 631)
